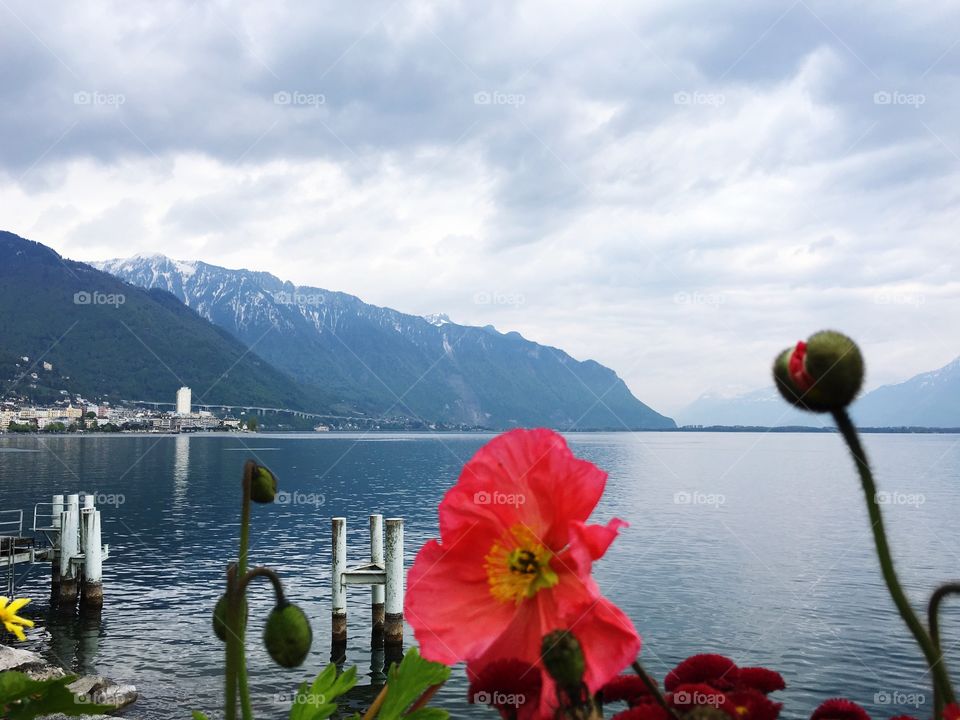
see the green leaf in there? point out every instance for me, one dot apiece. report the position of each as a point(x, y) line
point(428, 713)
point(197, 715)
point(22, 698)
point(407, 682)
point(318, 701)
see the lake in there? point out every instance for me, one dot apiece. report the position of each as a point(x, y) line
point(752, 545)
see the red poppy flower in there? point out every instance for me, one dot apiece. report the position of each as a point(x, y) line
point(715, 670)
point(951, 712)
point(839, 709)
point(762, 679)
point(625, 687)
point(513, 563)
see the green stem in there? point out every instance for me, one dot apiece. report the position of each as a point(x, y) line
point(653, 689)
point(941, 681)
point(234, 601)
point(933, 620)
point(248, 470)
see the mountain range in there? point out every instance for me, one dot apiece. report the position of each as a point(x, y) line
point(930, 399)
point(371, 360)
point(65, 325)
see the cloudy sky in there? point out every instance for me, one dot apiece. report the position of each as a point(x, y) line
point(675, 189)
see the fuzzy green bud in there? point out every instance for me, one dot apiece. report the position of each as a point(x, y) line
point(263, 485)
point(287, 635)
point(220, 617)
point(823, 374)
point(563, 658)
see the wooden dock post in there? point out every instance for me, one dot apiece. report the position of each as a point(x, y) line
point(91, 596)
point(339, 589)
point(376, 591)
point(393, 616)
point(55, 513)
point(69, 548)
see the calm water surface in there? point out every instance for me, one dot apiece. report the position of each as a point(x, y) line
point(752, 545)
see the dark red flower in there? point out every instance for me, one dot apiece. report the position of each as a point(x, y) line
point(716, 670)
point(951, 712)
point(644, 711)
point(750, 705)
point(625, 687)
point(511, 686)
point(839, 709)
point(761, 679)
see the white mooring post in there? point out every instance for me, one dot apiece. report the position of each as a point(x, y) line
point(393, 616)
point(376, 591)
point(339, 589)
point(69, 548)
point(55, 513)
point(91, 596)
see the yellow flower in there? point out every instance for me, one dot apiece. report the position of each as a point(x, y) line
point(8, 616)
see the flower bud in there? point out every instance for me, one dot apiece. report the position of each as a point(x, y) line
point(563, 658)
point(220, 617)
point(287, 635)
point(263, 485)
point(820, 375)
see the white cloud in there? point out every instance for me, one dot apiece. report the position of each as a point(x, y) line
point(675, 191)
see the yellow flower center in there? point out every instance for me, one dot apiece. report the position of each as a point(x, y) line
point(518, 566)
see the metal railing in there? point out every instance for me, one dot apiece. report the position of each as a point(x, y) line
point(51, 520)
point(11, 523)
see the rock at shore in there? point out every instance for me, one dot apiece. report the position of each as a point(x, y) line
point(94, 688)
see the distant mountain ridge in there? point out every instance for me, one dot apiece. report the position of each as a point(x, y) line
point(374, 360)
point(930, 399)
point(105, 338)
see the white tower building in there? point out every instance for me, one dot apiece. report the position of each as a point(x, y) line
point(183, 401)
